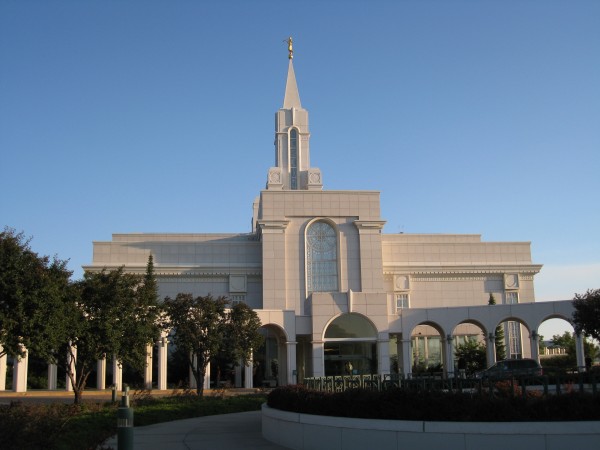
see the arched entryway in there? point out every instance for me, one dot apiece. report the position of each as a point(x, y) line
point(270, 360)
point(350, 346)
point(428, 352)
point(469, 348)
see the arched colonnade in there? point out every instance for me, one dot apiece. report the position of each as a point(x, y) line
point(280, 327)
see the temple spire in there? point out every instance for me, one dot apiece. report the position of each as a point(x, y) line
point(292, 97)
point(292, 170)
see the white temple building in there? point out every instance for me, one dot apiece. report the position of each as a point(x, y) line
point(335, 293)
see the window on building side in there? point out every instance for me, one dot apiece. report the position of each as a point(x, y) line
point(237, 298)
point(514, 329)
point(321, 258)
point(401, 301)
point(293, 159)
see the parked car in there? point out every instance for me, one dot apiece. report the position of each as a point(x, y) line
point(509, 368)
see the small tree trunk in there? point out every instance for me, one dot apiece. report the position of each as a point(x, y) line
point(200, 381)
point(78, 394)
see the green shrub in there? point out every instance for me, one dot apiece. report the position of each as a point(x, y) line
point(33, 426)
point(73, 427)
point(398, 404)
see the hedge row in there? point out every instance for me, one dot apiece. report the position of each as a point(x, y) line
point(401, 404)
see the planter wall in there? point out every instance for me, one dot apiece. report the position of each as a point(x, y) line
point(310, 432)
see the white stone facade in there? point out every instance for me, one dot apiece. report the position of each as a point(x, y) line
point(269, 269)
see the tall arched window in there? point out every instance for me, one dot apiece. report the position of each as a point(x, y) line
point(321, 258)
point(293, 159)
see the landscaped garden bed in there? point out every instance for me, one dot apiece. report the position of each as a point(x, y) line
point(84, 426)
point(301, 419)
point(398, 404)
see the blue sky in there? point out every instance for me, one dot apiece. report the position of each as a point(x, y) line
point(154, 116)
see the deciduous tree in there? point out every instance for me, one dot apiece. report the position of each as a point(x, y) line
point(587, 313)
point(198, 327)
point(33, 292)
point(473, 354)
point(567, 341)
point(242, 333)
point(204, 327)
point(112, 315)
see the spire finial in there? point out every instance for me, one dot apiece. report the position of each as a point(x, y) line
point(290, 47)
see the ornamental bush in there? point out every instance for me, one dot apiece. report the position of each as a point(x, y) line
point(399, 404)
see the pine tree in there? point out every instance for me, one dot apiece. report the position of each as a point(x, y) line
point(500, 345)
point(150, 284)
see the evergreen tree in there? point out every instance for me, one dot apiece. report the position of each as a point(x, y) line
point(499, 341)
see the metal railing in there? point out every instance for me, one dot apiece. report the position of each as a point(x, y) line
point(557, 384)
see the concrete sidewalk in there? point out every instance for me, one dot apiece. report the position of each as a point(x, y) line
point(224, 432)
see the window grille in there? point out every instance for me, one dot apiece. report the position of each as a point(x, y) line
point(401, 302)
point(514, 329)
point(237, 298)
point(321, 258)
point(293, 159)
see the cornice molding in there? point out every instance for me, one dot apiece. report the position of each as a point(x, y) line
point(462, 269)
point(369, 224)
point(187, 271)
point(273, 225)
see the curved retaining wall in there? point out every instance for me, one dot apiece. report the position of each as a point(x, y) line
point(306, 431)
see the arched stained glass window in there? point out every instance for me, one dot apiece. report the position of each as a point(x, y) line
point(321, 258)
point(293, 159)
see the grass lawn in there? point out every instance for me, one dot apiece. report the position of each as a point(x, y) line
point(66, 427)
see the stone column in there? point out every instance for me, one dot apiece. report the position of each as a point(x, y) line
point(291, 362)
point(579, 350)
point(162, 362)
point(207, 377)
point(101, 374)
point(383, 356)
point(534, 339)
point(117, 368)
point(148, 368)
point(2, 370)
point(249, 375)
point(71, 361)
point(491, 349)
point(317, 358)
point(406, 356)
point(52, 377)
point(20, 365)
point(449, 353)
